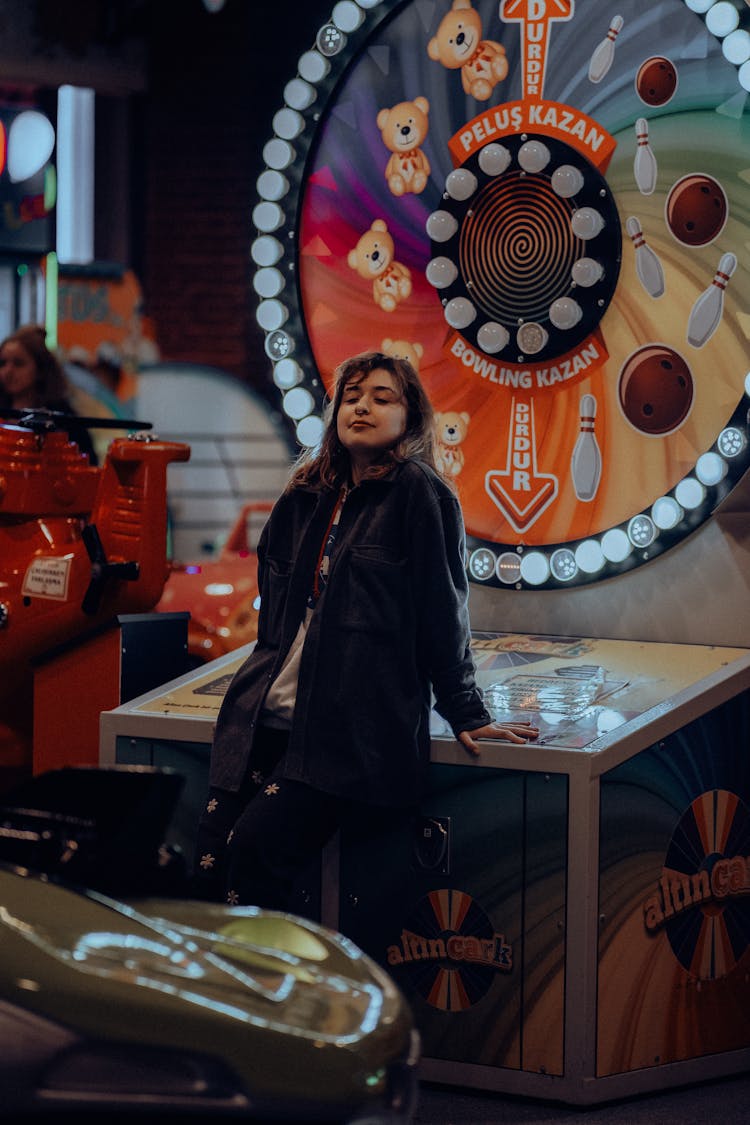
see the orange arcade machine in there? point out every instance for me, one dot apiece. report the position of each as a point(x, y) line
point(79, 545)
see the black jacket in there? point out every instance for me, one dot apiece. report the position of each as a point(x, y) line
point(390, 626)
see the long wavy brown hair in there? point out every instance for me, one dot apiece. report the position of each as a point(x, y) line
point(327, 465)
point(50, 385)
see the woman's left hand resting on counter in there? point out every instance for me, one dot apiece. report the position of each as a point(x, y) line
point(505, 732)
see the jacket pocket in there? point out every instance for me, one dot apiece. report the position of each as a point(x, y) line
point(273, 599)
point(374, 586)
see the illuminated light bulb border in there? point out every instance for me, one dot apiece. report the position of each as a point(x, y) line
point(733, 33)
point(275, 215)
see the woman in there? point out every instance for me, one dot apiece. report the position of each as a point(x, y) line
point(363, 618)
point(31, 378)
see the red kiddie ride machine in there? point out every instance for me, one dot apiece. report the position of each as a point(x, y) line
point(78, 545)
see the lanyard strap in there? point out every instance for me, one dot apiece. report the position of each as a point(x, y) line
point(324, 555)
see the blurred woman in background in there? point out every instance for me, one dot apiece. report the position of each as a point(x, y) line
point(32, 378)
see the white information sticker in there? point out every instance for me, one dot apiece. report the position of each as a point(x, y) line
point(47, 578)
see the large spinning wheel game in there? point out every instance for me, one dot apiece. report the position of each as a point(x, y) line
point(544, 204)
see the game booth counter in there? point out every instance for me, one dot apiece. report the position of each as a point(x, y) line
point(569, 919)
point(550, 227)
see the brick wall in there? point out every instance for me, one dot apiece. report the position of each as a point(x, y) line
point(212, 93)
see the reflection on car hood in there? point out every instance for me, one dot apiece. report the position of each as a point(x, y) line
point(252, 966)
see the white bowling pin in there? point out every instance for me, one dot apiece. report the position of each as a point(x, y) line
point(604, 54)
point(647, 264)
point(586, 462)
point(706, 312)
point(644, 165)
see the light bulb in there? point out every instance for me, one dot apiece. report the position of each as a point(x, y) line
point(494, 159)
point(492, 337)
point(586, 223)
point(508, 568)
point(563, 564)
point(299, 94)
point(710, 468)
point(534, 568)
point(298, 402)
point(689, 493)
point(666, 513)
point(459, 312)
point(641, 531)
point(566, 181)
point(736, 47)
point(278, 345)
point(589, 556)
point(288, 124)
point(533, 156)
point(278, 154)
point(347, 16)
point(441, 226)
point(268, 282)
point(272, 185)
point(271, 315)
point(531, 337)
point(268, 217)
point(313, 66)
point(266, 250)
point(722, 18)
point(565, 313)
point(309, 431)
point(287, 373)
point(460, 184)
point(615, 545)
point(586, 272)
point(441, 272)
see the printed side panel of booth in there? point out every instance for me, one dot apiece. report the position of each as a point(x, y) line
point(674, 887)
point(465, 906)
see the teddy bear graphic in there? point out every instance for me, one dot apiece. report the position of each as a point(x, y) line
point(403, 349)
point(403, 128)
point(459, 44)
point(451, 430)
point(372, 258)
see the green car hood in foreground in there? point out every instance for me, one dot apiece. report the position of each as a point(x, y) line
point(174, 1003)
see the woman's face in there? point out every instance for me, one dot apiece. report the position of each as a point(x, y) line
point(371, 418)
point(17, 374)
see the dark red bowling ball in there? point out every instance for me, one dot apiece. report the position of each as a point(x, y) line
point(696, 209)
point(656, 80)
point(655, 389)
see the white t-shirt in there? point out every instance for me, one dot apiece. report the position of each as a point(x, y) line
point(278, 708)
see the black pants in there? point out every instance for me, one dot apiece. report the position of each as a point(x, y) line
point(251, 845)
